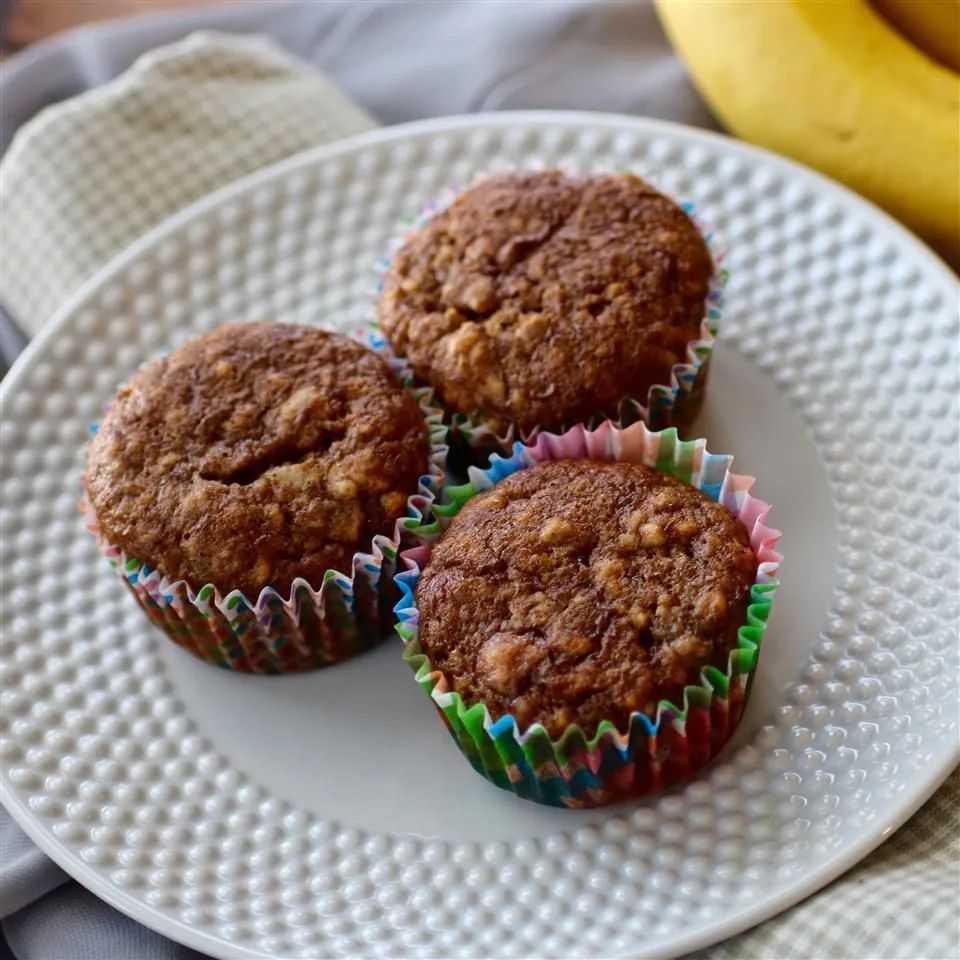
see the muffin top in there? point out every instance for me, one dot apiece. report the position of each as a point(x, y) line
point(537, 298)
point(578, 591)
point(256, 454)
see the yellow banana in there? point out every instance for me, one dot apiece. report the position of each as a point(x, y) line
point(832, 84)
point(933, 25)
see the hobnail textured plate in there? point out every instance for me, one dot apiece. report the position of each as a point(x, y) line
point(328, 814)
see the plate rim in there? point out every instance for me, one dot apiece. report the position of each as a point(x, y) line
point(441, 124)
point(711, 933)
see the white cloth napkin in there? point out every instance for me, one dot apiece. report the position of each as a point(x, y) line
point(86, 177)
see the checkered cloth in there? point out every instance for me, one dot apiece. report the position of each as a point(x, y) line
point(902, 901)
point(182, 121)
point(88, 176)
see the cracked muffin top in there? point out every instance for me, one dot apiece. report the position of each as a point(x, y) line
point(542, 299)
point(579, 591)
point(256, 454)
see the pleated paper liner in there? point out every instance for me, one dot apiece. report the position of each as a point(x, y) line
point(316, 625)
point(577, 770)
point(675, 403)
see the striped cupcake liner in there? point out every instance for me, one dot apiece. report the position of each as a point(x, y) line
point(575, 770)
point(312, 627)
point(671, 404)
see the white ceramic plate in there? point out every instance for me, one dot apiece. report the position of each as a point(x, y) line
point(225, 811)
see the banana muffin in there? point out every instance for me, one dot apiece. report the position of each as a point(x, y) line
point(578, 591)
point(539, 299)
point(256, 454)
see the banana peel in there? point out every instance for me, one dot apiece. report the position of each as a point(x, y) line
point(931, 25)
point(832, 84)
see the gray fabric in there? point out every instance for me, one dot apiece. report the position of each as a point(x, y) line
point(72, 924)
point(26, 874)
point(406, 59)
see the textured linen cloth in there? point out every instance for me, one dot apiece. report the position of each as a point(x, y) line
point(90, 174)
point(87, 177)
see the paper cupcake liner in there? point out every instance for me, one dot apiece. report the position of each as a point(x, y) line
point(672, 404)
point(575, 770)
point(312, 627)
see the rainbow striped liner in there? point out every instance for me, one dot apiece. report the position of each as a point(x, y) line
point(673, 404)
point(314, 626)
point(576, 770)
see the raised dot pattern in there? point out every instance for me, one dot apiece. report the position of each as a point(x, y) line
point(100, 751)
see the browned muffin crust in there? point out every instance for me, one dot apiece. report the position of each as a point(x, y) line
point(256, 454)
point(537, 298)
point(577, 591)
